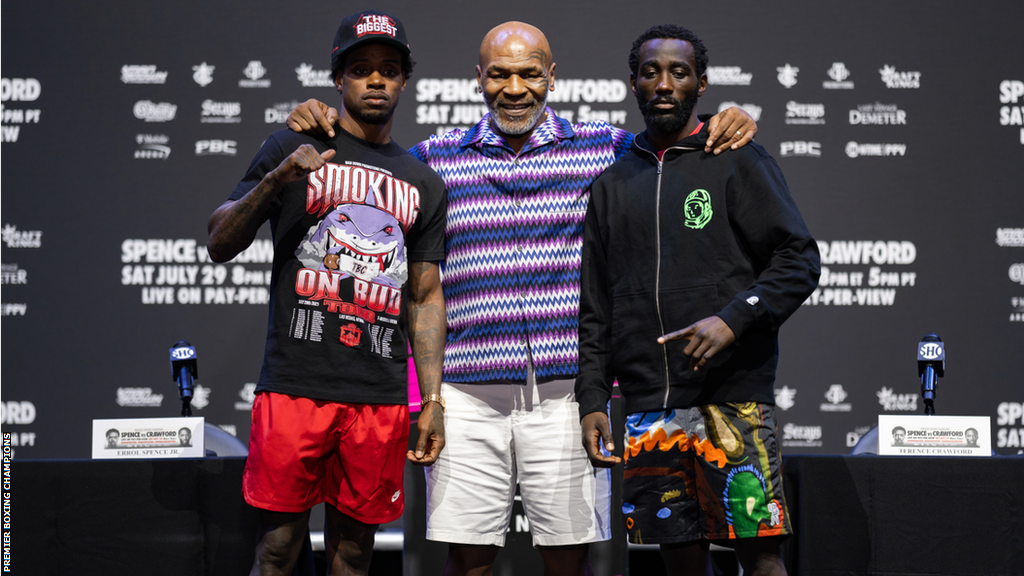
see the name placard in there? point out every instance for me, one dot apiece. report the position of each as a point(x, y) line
point(148, 438)
point(920, 435)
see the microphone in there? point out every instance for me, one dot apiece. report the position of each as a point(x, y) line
point(183, 371)
point(931, 365)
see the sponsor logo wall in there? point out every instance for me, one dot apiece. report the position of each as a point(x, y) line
point(910, 184)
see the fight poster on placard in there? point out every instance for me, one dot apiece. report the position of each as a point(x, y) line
point(919, 435)
point(148, 438)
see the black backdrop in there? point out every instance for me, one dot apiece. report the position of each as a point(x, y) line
point(111, 163)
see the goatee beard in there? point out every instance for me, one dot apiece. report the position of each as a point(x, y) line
point(520, 127)
point(670, 121)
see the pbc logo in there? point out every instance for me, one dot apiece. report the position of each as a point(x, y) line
point(375, 24)
point(800, 148)
point(216, 148)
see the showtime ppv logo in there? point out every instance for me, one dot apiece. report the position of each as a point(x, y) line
point(376, 24)
point(855, 150)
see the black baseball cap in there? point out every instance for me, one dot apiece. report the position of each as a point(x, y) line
point(368, 26)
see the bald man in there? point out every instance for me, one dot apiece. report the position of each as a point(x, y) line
point(517, 185)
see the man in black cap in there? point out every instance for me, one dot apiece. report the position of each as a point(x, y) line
point(358, 226)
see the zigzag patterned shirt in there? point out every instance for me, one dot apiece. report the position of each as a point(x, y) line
point(513, 240)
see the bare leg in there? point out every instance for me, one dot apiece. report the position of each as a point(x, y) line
point(279, 541)
point(760, 556)
point(687, 559)
point(470, 560)
point(348, 543)
point(569, 560)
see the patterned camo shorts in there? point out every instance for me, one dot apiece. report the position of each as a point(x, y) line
point(704, 473)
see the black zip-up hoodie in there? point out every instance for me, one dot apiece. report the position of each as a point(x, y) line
point(669, 243)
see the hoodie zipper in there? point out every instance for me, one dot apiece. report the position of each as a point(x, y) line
point(657, 268)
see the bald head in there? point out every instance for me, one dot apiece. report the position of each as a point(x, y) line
point(516, 39)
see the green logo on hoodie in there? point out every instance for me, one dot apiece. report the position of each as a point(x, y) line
point(697, 210)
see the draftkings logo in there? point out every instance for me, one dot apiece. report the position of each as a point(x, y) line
point(838, 74)
point(203, 73)
point(313, 78)
point(254, 76)
point(152, 147)
point(896, 79)
point(785, 397)
point(804, 114)
point(221, 112)
point(247, 394)
point(892, 402)
point(877, 114)
point(800, 148)
point(856, 150)
point(11, 274)
point(14, 238)
point(753, 109)
point(794, 435)
point(138, 398)
point(142, 74)
point(728, 76)
point(152, 112)
point(835, 396)
point(787, 75)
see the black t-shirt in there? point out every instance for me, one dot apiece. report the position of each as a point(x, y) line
point(343, 238)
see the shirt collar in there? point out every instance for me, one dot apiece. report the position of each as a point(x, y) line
point(552, 129)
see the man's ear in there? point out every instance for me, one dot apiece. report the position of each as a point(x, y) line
point(632, 83)
point(551, 77)
point(703, 85)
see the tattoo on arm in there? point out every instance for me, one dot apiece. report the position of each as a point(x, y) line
point(427, 326)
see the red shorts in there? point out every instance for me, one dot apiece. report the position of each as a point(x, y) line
point(303, 452)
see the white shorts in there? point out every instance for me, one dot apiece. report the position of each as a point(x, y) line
point(497, 434)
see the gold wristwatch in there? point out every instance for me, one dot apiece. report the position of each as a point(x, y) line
point(432, 398)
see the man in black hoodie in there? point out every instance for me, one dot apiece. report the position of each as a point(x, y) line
point(675, 237)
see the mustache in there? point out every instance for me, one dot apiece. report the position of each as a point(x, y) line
point(376, 94)
point(664, 100)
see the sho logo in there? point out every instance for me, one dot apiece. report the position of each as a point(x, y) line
point(15, 238)
point(247, 394)
point(279, 113)
point(753, 109)
point(152, 112)
point(1010, 237)
point(787, 75)
point(142, 74)
point(138, 397)
point(835, 396)
point(838, 73)
point(728, 76)
point(216, 147)
point(804, 114)
point(11, 274)
point(800, 148)
point(221, 112)
point(785, 397)
point(855, 150)
point(895, 79)
point(254, 73)
point(930, 351)
point(15, 412)
point(896, 402)
point(203, 74)
point(314, 78)
point(200, 396)
point(1016, 273)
